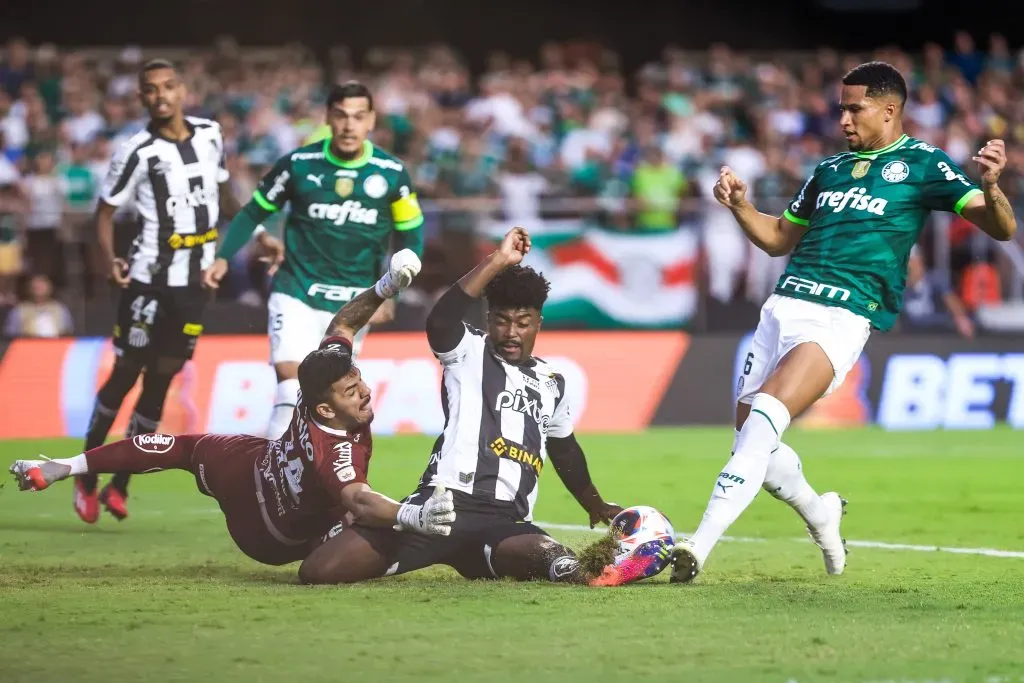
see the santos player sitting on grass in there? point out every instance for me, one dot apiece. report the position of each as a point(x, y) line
point(850, 230)
point(506, 412)
point(281, 498)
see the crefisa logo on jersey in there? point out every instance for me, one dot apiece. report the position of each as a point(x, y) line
point(349, 212)
point(895, 171)
point(856, 198)
point(153, 443)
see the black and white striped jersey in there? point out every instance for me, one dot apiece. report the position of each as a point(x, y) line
point(174, 186)
point(498, 418)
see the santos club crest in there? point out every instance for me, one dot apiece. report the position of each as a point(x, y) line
point(896, 171)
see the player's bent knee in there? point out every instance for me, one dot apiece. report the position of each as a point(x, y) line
point(345, 558)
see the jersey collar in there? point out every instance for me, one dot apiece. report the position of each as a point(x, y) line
point(153, 130)
point(329, 430)
point(363, 159)
point(888, 148)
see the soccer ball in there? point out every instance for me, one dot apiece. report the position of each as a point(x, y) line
point(645, 536)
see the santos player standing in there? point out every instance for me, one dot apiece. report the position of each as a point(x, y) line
point(174, 173)
point(348, 199)
point(850, 230)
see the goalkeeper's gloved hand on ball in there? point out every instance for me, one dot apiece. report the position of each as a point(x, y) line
point(405, 265)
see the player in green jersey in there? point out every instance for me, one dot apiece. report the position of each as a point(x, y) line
point(349, 201)
point(850, 230)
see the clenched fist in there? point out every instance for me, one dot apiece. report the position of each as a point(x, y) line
point(730, 191)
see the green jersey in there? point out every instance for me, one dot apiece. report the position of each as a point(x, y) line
point(863, 212)
point(341, 218)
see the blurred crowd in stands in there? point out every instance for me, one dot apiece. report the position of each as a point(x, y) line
point(568, 138)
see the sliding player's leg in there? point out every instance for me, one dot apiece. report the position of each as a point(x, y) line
point(145, 419)
point(139, 455)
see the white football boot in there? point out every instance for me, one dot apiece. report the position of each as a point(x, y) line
point(685, 563)
point(828, 537)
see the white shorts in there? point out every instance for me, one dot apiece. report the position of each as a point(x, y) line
point(296, 329)
point(786, 323)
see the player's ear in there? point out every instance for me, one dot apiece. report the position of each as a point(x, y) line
point(325, 411)
point(373, 120)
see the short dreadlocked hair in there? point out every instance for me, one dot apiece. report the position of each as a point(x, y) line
point(517, 287)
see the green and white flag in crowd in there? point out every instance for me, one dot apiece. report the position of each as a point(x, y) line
point(610, 280)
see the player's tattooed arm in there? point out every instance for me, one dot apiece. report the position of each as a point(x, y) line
point(991, 211)
point(354, 315)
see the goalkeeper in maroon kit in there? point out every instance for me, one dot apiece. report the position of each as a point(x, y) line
point(282, 498)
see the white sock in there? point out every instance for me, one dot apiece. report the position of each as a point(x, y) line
point(785, 481)
point(741, 479)
point(285, 398)
point(77, 464)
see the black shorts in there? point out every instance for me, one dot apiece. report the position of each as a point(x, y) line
point(477, 531)
point(159, 321)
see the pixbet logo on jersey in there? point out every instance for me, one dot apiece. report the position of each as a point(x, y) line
point(199, 196)
point(522, 403)
point(153, 443)
point(351, 211)
point(856, 198)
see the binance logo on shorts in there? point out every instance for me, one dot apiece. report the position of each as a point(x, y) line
point(514, 451)
point(192, 329)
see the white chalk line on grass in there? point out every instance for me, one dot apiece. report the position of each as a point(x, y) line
point(880, 545)
point(987, 552)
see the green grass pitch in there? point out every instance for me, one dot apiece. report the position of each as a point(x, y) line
point(164, 596)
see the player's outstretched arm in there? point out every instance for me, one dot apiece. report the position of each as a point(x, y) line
point(775, 235)
point(570, 463)
point(991, 210)
point(405, 265)
point(370, 508)
point(238, 233)
point(273, 192)
point(444, 324)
